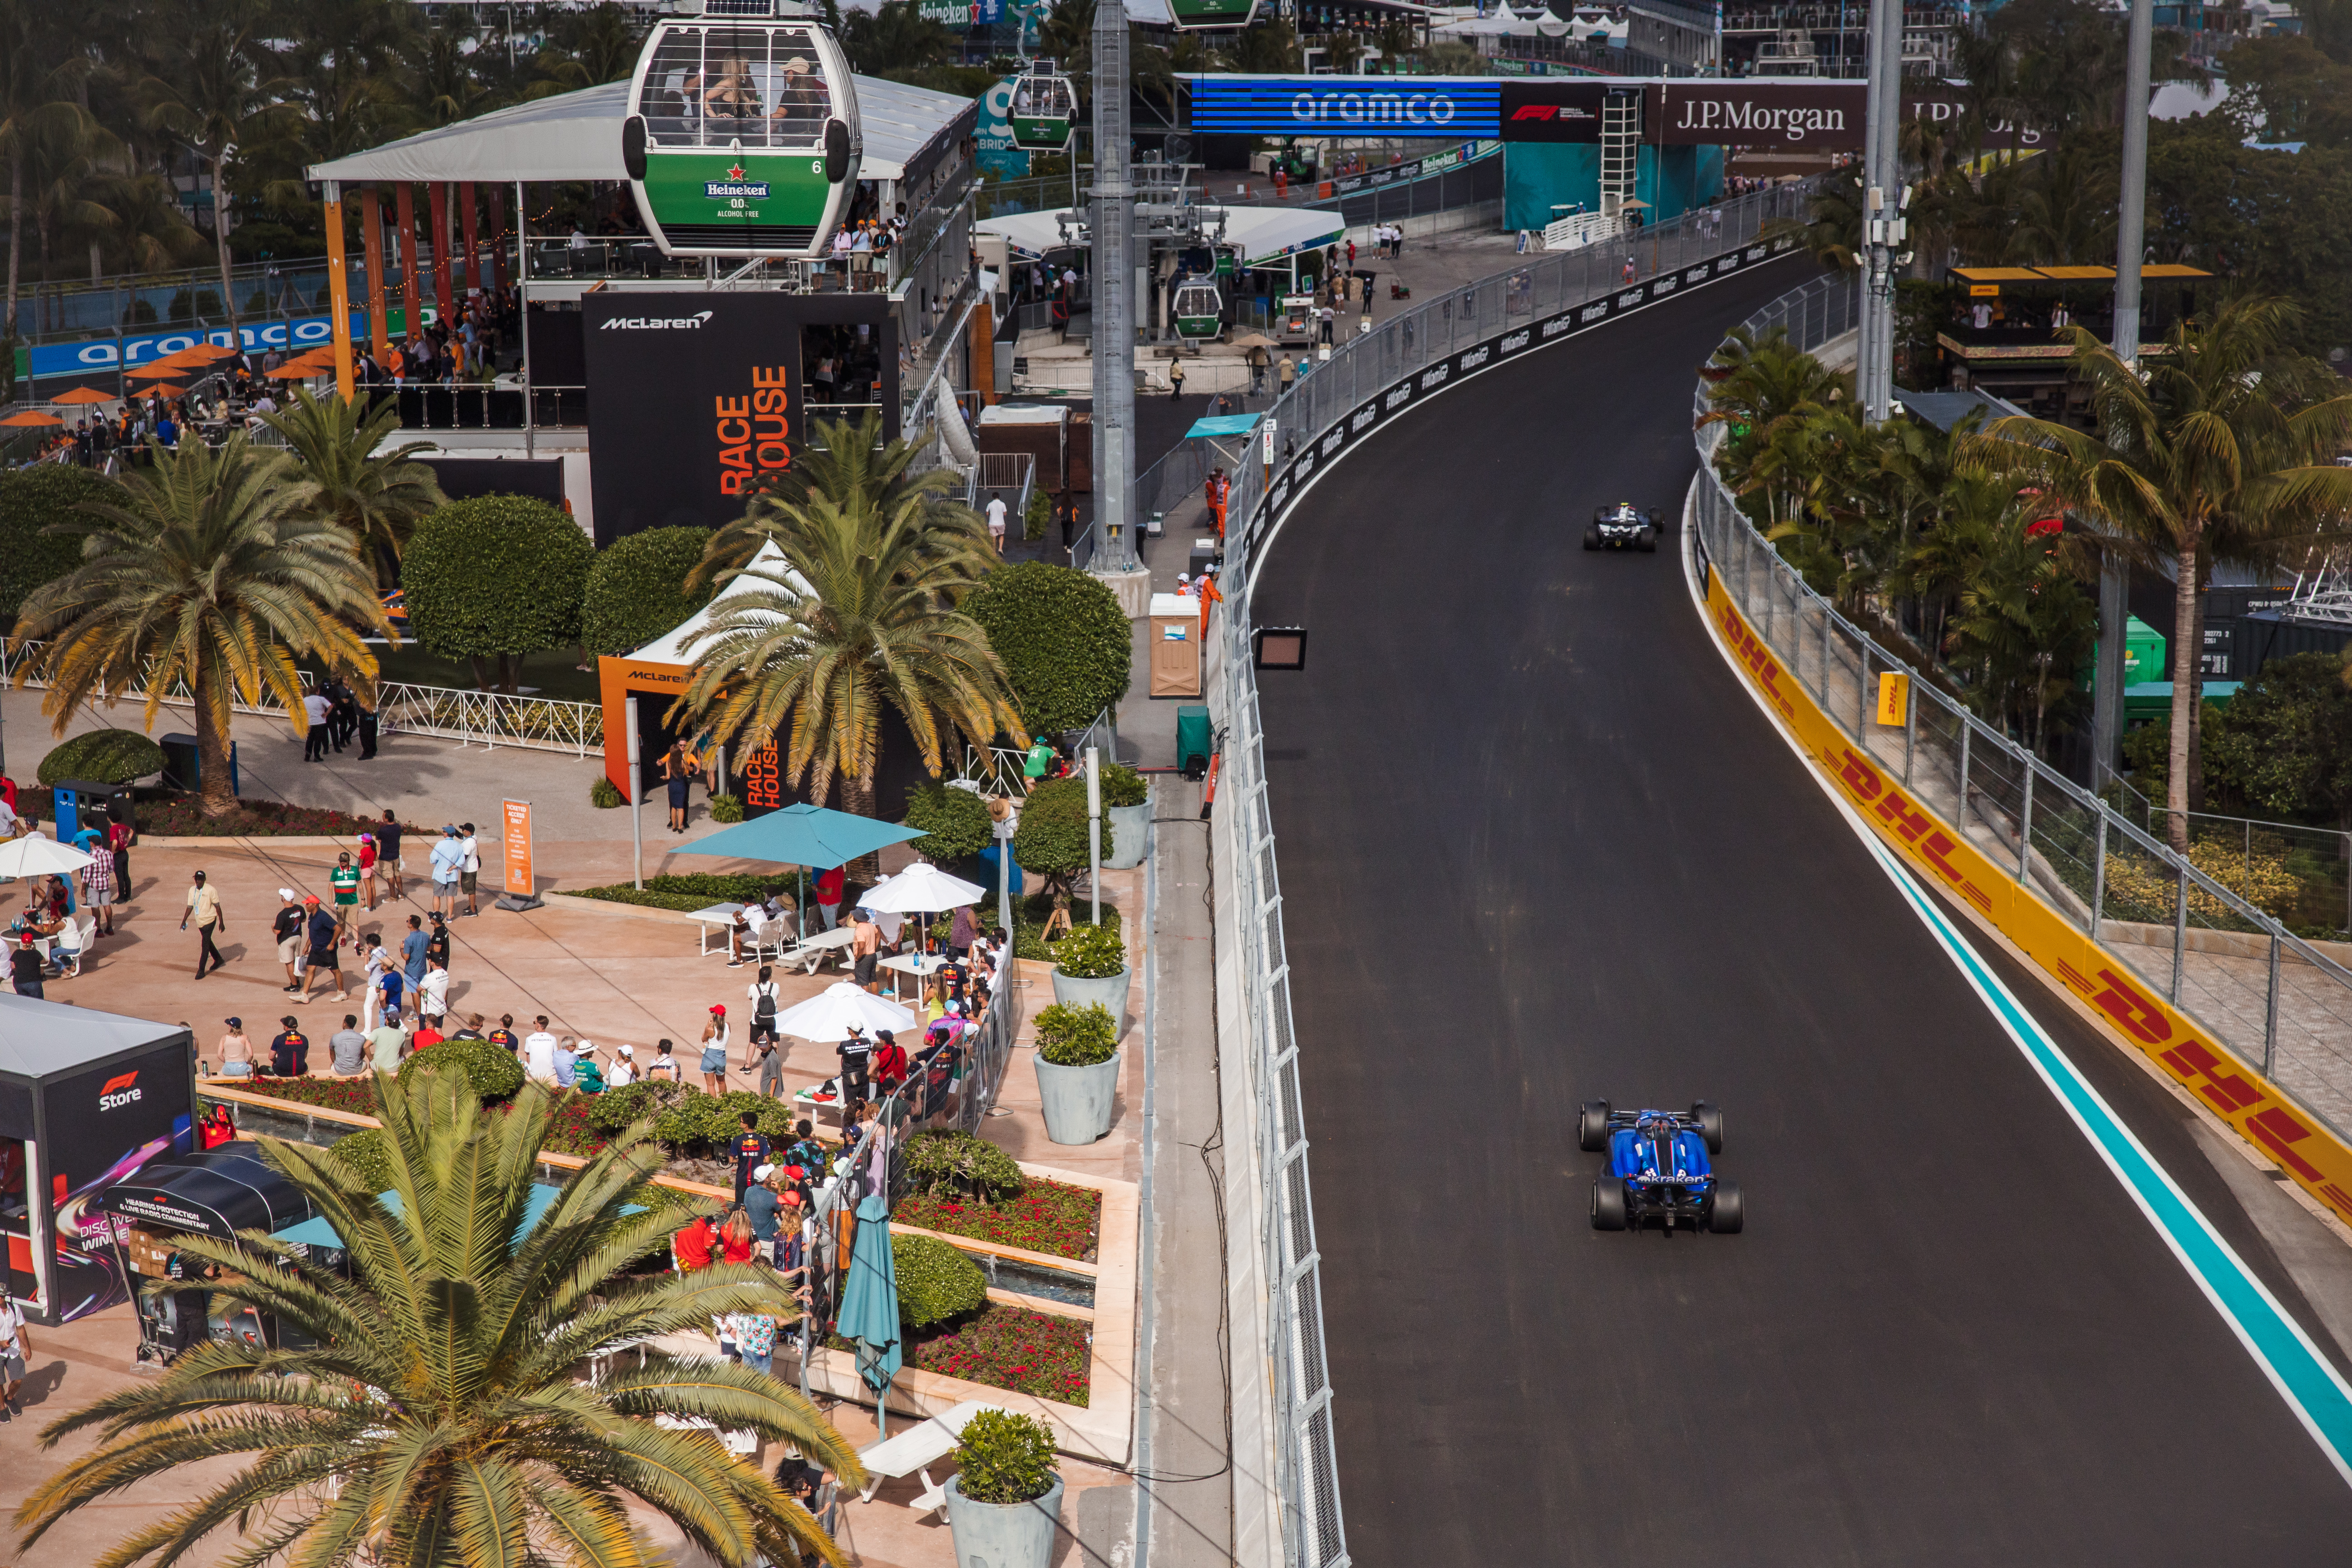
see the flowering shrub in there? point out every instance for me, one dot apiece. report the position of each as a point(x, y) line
point(1043, 1216)
point(1011, 1347)
point(353, 1094)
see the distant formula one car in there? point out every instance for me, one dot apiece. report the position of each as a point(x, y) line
point(1621, 525)
point(1658, 1169)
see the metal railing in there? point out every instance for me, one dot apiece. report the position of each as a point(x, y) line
point(2275, 999)
point(487, 719)
point(1366, 379)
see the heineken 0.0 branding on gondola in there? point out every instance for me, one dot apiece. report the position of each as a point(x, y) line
point(742, 136)
point(1212, 13)
point(1041, 108)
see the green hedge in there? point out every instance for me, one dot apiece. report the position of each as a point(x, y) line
point(1123, 786)
point(700, 890)
point(102, 756)
point(1091, 952)
point(955, 822)
point(936, 1281)
point(363, 1152)
point(1052, 839)
point(30, 500)
point(495, 1073)
point(496, 574)
point(939, 1162)
point(1064, 641)
point(636, 589)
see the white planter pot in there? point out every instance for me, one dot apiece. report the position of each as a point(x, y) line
point(1110, 991)
point(1003, 1534)
point(1078, 1101)
point(1130, 833)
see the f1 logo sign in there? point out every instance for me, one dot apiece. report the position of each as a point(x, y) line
point(116, 1092)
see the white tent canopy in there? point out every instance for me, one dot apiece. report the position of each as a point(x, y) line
point(577, 136)
point(676, 646)
point(1259, 234)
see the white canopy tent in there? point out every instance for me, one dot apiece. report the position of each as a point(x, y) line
point(677, 645)
point(577, 136)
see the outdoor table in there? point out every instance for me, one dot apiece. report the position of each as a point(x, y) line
point(920, 966)
point(720, 915)
point(811, 954)
point(806, 1099)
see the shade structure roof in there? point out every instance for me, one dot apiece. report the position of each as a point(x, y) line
point(1222, 424)
point(217, 1193)
point(1259, 234)
point(802, 835)
point(39, 1039)
point(577, 136)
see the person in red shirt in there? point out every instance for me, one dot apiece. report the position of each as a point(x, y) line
point(735, 1242)
point(427, 1034)
point(695, 1244)
point(829, 884)
point(216, 1129)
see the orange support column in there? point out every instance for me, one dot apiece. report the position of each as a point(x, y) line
point(406, 212)
point(372, 253)
point(438, 193)
point(338, 290)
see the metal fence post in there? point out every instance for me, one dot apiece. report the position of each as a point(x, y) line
point(1910, 726)
point(2025, 825)
point(2099, 878)
point(2270, 1013)
point(2179, 928)
point(1821, 670)
point(1862, 696)
point(1960, 787)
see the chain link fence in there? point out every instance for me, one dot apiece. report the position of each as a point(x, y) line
point(1365, 381)
point(2207, 931)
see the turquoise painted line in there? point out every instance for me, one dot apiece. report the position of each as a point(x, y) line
point(2320, 1397)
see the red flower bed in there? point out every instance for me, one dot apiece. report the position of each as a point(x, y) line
point(354, 1094)
point(1045, 1216)
point(1009, 1347)
point(251, 819)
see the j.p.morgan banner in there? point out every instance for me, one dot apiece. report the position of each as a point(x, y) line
point(1395, 399)
point(1828, 116)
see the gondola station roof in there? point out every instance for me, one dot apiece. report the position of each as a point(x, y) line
point(574, 136)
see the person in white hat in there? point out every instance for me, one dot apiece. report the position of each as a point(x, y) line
point(287, 927)
point(623, 1071)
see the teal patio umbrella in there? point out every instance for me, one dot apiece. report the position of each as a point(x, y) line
point(869, 1306)
point(802, 835)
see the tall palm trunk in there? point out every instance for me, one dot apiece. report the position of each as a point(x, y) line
point(858, 799)
point(15, 228)
point(220, 239)
point(215, 796)
point(2184, 692)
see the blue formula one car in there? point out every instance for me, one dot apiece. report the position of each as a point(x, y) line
point(1659, 1169)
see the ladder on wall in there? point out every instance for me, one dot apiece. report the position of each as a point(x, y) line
point(1621, 133)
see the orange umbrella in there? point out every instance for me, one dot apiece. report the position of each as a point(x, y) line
point(166, 389)
point(294, 370)
point(32, 419)
point(205, 352)
point(164, 369)
point(85, 394)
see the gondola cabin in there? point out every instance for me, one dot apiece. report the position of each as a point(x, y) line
point(1199, 309)
point(1044, 108)
point(1212, 13)
point(742, 136)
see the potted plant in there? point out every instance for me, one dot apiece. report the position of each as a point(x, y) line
point(1090, 965)
point(1077, 1070)
point(1005, 1497)
point(1127, 808)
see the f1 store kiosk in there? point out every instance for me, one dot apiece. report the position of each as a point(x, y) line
point(86, 1100)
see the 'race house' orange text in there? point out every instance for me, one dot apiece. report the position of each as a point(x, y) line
point(753, 436)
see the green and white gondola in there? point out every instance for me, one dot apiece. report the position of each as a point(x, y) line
point(1212, 13)
point(1198, 309)
point(742, 136)
point(1043, 110)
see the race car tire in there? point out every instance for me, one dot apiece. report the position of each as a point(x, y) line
point(1646, 541)
point(1609, 1203)
point(1727, 1215)
point(1592, 1126)
point(1710, 1124)
point(1592, 539)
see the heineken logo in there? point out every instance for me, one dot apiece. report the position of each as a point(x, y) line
point(734, 184)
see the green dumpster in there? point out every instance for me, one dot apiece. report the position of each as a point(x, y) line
point(1192, 740)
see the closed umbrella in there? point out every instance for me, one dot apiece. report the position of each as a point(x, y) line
point(829, 1014)
point(869, 1306)
point(37, 857)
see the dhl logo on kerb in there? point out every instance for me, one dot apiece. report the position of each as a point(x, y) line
point(1903, 816)
point(1758, 657)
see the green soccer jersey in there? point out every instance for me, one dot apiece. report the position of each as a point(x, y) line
point(345, 881)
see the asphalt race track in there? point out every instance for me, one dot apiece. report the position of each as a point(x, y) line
point(1536, 844)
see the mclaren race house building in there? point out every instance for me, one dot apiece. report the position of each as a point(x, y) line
point(659, 382)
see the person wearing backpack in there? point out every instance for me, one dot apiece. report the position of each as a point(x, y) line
point(767, 1000)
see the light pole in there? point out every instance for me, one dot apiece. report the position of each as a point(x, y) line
point(2131, 218)
point(637, 799)
point(1114, 283)
point(1094, 835)
point(1883, 223)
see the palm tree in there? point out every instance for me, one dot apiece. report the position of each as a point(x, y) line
point(2227, 448)
point(215, 571)
point(376, 495)
point(438, 1420)
point(36, 84)
point(811, 671)
point(846, 463)
point(209, 92)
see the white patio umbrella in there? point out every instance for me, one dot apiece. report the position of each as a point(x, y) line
point(829, 1014)
point(922, 888)
point(38, 856)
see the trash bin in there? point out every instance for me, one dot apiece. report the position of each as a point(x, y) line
point(1192, 741)
point(184, 764)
